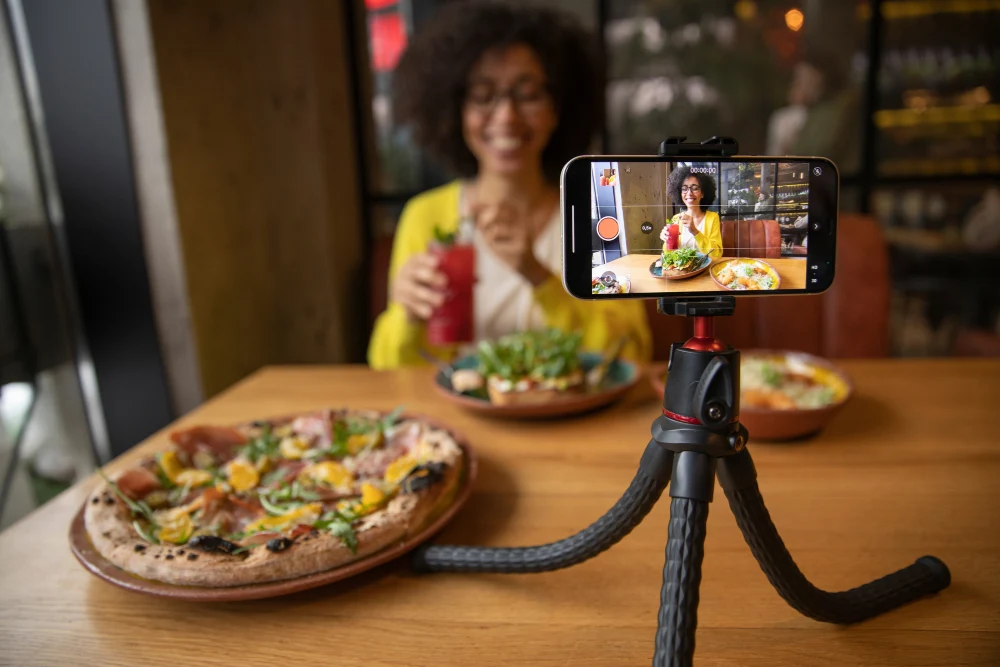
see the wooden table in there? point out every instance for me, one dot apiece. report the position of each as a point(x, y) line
point(635, 266)
point(909, 468)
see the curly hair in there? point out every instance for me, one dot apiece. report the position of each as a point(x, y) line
point(681, 174)
point(429, 85)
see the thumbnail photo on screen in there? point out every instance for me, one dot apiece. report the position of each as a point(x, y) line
point(661, 227)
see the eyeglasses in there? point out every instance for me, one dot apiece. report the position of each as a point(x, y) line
point(526, 100)
point(693, 189)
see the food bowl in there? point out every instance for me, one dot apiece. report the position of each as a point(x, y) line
point(760, 412)
point(622, 376)
point(704, 261)
point(720, 267)
point(624, 285)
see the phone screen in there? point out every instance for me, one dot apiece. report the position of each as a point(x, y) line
point(644, 226)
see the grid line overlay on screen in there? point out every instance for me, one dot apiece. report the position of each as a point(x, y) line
point(690, 214)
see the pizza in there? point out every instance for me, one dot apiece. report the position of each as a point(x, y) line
point(276, 499)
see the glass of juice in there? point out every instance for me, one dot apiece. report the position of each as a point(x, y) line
point(673, 236)
point(451, 322)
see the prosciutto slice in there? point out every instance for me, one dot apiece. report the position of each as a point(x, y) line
point(318, 425)
point(221, 441)
point(402, 442)
point(137, 483)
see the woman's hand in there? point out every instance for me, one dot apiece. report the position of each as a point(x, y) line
point(507, 230)
point(419, 286)
point(686, 220)
point(663, 232)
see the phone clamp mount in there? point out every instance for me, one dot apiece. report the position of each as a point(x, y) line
point(697, 438)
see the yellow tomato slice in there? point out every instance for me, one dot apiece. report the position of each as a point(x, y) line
point(243, 474)
point(171, 467)
point(358, 441)
point(307, 514)
point(330, 473)
point(293, 448)
point(399, 469)
point(176, 525)
point(371, 495)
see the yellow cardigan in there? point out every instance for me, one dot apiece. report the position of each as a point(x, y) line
point(395, 340)
point(709, 239)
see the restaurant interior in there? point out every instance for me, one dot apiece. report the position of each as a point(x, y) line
point(199, 206)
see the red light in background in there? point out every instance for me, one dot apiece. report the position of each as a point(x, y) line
point(379, 4)
point(387, 39)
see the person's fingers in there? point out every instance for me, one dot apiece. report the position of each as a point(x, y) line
point(421, 311)
point(427, 296)
point(419, 301)
point(430, 276)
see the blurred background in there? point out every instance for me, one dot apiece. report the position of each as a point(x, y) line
point(193, 189)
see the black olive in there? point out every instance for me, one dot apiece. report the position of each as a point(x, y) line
point(278, 544)
point(156, 556)
point(140, 547)
point(180, 552)
point(95, 500)
point(211, 543)
point(192, 556)
point(423, 476)
point(170, 556)
point(109, 501)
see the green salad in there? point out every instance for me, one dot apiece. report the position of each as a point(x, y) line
point(682, 259)
point(538, 355)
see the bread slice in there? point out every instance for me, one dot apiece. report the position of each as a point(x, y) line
point(503, 392)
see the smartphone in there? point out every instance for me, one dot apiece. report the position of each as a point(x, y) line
point(646, 226)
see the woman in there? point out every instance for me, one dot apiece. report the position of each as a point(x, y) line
point(699, 229)
point(504, 96)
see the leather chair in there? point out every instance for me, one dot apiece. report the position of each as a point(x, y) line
point(849, 320)
point(751, 238)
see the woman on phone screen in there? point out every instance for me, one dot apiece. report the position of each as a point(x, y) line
point(700, 229)
point(504, 96)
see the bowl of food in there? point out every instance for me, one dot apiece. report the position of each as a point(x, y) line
point(610, 283)
point(742, 273)
point(783, 394)
point(680, 264)
point(535, 375)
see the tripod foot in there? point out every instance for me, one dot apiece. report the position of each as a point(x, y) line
point(650, 479)
point(926, 576)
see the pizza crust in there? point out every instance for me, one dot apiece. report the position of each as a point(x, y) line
point(109, 526)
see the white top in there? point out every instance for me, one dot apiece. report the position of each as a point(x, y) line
point(687, 239)
point(503, 299)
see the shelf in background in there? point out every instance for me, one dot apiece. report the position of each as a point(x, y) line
point(889, 118)
point(943, 167)
point(908, 9)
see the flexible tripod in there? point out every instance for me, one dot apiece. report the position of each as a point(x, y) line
point(696, 439)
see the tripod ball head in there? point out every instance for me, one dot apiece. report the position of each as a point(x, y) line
point(703, 387)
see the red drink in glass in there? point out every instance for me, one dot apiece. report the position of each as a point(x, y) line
point(451, 322)
point(673, 235)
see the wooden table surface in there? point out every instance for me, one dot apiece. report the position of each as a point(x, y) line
point(910, 467)
point(635, 266)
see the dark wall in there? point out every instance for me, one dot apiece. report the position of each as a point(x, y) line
point(76, 64)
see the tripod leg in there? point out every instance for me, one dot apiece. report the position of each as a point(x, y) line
point(691, 492)
point(739, 481)
point(650, 479)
